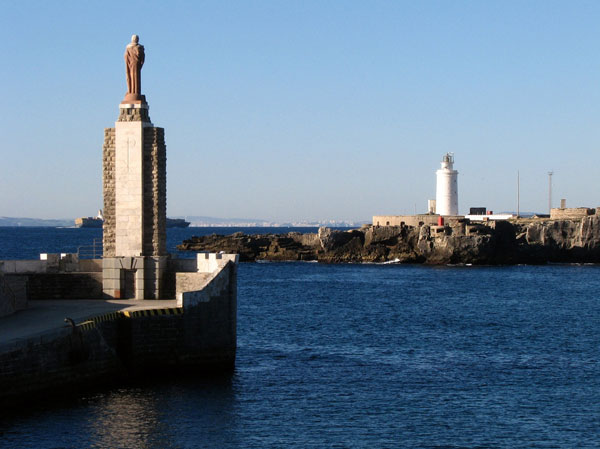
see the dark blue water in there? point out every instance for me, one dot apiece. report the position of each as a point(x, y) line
point(29, 242)
point(370, 356)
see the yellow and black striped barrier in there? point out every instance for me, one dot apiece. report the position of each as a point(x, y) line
point(91, 323)
point(107, 317)
point(87, 325)
point(152, 312)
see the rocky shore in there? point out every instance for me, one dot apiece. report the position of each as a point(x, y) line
point(522, 241)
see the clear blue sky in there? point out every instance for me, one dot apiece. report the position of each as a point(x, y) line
point(306, 109)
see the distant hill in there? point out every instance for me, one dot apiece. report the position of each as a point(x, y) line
point(195, 220)
point(214, 221)
point(523, 214)
point(251, 222)
point(21, 221)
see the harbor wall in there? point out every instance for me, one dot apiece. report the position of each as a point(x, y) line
point(77, 279)
point(53, 276)
point(197, 337)
point(11, 296)
point(412, 220)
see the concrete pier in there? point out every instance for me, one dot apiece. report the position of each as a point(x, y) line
point(105, 340)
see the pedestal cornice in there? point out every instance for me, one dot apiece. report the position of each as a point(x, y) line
point(134, 112)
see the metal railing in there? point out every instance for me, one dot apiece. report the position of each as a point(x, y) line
point(93, 251)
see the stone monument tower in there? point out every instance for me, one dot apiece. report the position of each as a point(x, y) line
point(135, 199)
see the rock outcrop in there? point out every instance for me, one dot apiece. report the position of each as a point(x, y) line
point(532, 241)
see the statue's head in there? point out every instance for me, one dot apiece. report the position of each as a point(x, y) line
point(135, 39)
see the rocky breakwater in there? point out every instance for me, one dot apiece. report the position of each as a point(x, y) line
point(523, 241)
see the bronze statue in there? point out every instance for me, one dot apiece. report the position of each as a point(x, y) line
point(134, 60)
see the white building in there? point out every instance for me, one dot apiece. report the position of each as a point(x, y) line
point(446, 192)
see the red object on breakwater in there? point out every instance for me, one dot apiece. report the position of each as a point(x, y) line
point(440, 221)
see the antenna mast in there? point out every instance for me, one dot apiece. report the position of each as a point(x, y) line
point(518, 193)
point(550, 173)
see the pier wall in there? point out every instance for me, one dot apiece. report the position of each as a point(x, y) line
point(197, 337)
point(53, 276)
point(12, 297)
point(70, 278)
point(64, 286)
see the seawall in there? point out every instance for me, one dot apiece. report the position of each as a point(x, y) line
point(194, 334)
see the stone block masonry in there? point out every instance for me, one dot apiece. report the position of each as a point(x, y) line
point(54, 276)
point(568, 213)
point(129, 193)
point(133, 114)
point(410, 220)
point(108, 188)
point(155, 192)
point(134, 186)
point(135, 206)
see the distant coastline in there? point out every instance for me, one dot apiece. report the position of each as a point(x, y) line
point(35, 222)
point(196, 222)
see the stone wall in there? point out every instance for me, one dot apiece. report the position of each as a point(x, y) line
point(411, 220)
point(133, 115)
point(147, 278)
point(15, 291)
point(182, 265)
point(64, 286)
point(187, 282)
point(211, 262)
point(8, 300)
point(154, 181)
point(36, 286)
point(212, 315)
point(570, 213)
point(155, 192)
point(67, 358)
point(51, 263)
point(23, 266)
point(50, 278)
point(90, 265)
point(108, 190)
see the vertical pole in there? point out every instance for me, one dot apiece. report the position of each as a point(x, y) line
point(518, 193)
point(550, 191)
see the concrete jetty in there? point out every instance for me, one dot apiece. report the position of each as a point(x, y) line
point(60, 345)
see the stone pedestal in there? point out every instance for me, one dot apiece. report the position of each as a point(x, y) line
point(133, 277)
point(134, 184)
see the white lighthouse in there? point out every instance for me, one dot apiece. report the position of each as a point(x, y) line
point(446, 192)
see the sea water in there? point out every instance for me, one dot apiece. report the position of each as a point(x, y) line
point(364, 356)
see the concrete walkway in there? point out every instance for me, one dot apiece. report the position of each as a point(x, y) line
point(47, 315)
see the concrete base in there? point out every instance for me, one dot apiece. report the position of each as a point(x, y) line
point(133, 277)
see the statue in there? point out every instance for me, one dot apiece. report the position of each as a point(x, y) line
point(134, 60)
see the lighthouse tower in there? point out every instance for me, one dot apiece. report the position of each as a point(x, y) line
point(446, 195)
